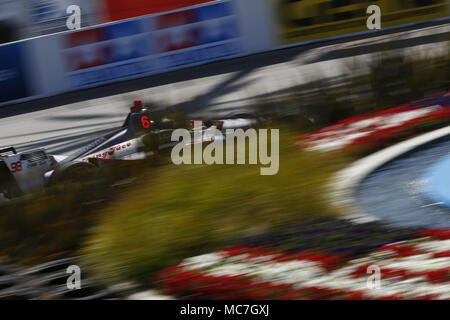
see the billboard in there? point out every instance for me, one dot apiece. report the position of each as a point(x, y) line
point(196, 35)
point(13, 84)
point(107, 53)
point(304, 20)
point(150, 44)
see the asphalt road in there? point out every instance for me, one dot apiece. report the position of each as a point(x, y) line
point(64, 123)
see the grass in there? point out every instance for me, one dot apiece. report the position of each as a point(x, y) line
point(51, 223)
point(44, 225)
point(181, 211)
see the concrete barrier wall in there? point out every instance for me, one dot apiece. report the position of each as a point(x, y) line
point(133, 48)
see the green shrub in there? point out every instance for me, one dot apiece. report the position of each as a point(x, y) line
point(47, 224)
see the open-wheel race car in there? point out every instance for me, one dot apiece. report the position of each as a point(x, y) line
point(140, 137)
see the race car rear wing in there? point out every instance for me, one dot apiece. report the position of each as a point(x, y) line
point(8, 151)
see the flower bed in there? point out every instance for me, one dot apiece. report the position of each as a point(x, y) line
point(376, 130)
point(325, 259)
point(330, 258)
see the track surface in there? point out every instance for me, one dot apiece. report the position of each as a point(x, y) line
point(64, 123)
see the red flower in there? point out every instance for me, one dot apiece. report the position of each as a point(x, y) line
point(439, 234)
point(393, 297)
point(444, 254)
point(440, 275)
point(427, 297)
point(355, 296)
point(235, 251)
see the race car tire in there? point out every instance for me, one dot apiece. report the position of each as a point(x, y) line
point(151, 142)
point(73, 172)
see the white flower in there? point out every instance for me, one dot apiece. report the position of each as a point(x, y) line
point(434, 245)
point(202, 261)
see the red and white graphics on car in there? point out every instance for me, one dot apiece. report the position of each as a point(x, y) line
point(28, 168)
point(128, 150)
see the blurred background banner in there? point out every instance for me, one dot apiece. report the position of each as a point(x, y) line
point(304, 20)
point(13, 82)
point(21, 19)
point(150, 44)
point(108, 53)
point(114, 10)
point(50, 16)
point(196, 35)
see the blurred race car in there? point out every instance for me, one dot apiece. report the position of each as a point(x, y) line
point(140, 137)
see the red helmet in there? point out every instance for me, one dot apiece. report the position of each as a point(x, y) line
point(137, 105)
